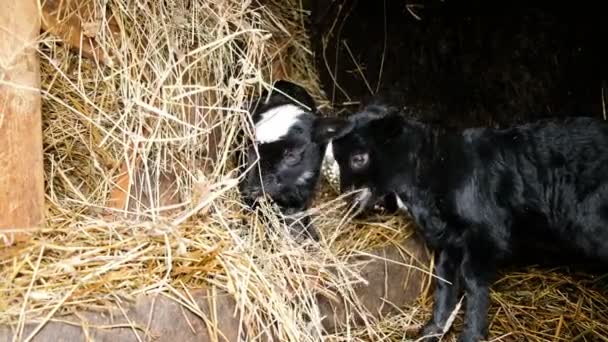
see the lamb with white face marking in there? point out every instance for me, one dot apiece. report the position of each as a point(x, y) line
point(290, 156)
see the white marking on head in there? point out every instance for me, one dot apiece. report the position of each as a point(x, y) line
point(276, 122)
point(305, 177)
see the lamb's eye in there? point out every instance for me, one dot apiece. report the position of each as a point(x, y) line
point(359, 161)
point(297, 130)
point(291, 157)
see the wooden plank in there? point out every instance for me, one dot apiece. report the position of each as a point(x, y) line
point(21, 168)
point(164, 318)
point(157, 318)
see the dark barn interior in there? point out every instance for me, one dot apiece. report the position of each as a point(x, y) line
point(464, 62)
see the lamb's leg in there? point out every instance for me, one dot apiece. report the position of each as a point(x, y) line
point(446, 294)
point(478, 271)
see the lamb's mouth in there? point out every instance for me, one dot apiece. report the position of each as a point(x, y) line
point(367, 200)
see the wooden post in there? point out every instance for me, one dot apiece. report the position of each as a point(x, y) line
point(21, 169)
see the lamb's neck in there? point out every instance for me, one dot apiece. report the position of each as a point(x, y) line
point(429, 158)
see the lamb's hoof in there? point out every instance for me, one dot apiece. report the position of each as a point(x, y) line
point(470, 337)
point(430, 333)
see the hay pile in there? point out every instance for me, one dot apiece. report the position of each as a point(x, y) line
point(139, 142)
point(157, 115)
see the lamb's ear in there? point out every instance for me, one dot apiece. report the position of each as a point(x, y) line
point(326, 129)
point(294, 92)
